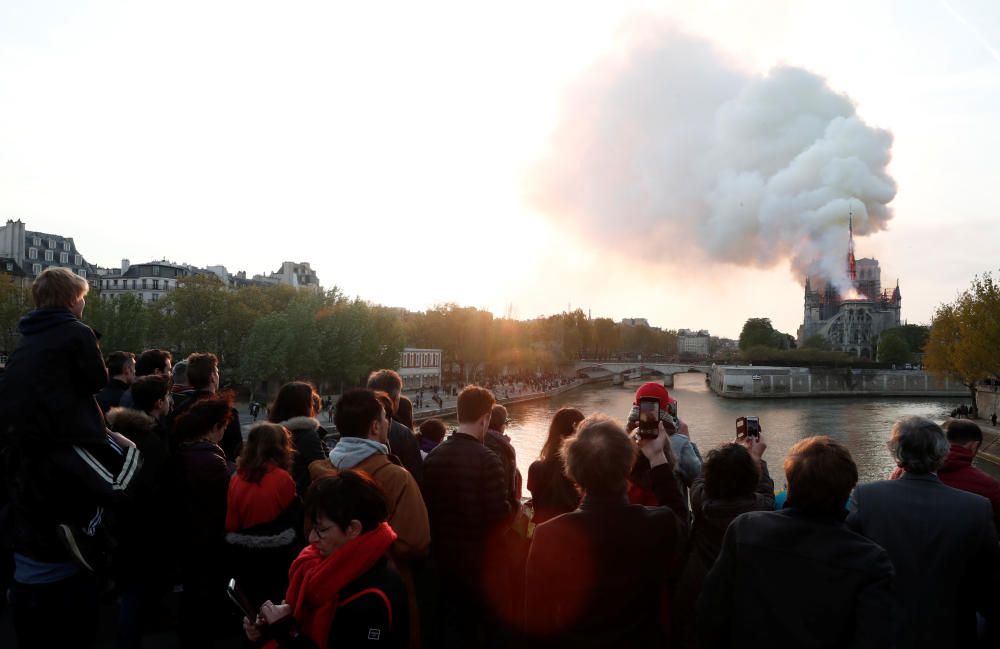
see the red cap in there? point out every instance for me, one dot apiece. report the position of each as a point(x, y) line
point(654, 390)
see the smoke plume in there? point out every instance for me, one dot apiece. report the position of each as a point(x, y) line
point(666, 145)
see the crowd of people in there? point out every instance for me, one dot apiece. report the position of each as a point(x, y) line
point(130, 475)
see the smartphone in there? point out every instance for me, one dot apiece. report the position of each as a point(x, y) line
point(240, 600)
point(747, 427)
point(649, 416)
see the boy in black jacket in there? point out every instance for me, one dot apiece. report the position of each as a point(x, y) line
point(63, 468)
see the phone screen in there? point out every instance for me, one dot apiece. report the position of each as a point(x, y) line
point(649, 414)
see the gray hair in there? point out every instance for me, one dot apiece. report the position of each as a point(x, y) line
point(919, 445)
point(181, 373)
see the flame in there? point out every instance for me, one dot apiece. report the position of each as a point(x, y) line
point(853, 295)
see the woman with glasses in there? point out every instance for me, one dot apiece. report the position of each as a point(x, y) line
point(341, 590)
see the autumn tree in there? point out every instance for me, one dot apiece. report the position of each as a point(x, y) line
point(964, 338)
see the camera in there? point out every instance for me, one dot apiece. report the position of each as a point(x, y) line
point(747, 427)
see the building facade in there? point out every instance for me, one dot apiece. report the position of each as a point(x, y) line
point(693, 343)
point(297, 274)
point(851, 323)
point(33, 252)
point(150, 281)
point(420, 368)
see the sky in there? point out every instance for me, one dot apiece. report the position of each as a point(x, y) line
point(393, 144)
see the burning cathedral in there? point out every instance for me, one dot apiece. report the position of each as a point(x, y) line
point(851, 323)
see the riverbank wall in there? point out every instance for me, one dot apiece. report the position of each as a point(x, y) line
point(449, 410)
point(748, 382)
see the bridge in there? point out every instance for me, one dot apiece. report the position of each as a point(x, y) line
point(619, 370)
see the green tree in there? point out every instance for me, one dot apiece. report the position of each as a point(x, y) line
point(15, 302)
point(122, 320)
point(758, 332)
point(816, 341)
point(893, 349)
point(964, 338)
point(915, 336)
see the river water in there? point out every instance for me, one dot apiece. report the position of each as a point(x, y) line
point(863, 425)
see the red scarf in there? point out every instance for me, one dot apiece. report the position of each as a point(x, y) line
point(314, 581)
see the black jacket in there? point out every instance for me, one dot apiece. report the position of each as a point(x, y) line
point(309, 447)
point(504, 450)
point(598, 576)
point(943, 545)
point(404, 445)
point(467, 506)
point(200, 485)
point(232, 438)
point(790, 579)
point(110, 395)
point(50, 380)
point(552, 493)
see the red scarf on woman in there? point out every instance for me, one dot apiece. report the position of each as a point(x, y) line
point(314, 581)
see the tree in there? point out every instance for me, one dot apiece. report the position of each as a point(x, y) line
point(816, 341)
point(15, 302)
point(964, 338)
point(893, 349)
point(122, 321)
point(758, 332)
point(915, 336)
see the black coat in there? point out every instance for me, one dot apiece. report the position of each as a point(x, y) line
point(943, 544)
point(200, 485)
point(552, 493)
point(598, 576)
point(404, 445)
point(467, 505)
point(789, 579)
point(504, 450)
point(309, 447)
point(49, 383)
point(110, 395)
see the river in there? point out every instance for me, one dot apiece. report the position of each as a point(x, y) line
point(862, 424)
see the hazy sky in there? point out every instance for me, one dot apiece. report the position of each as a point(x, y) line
point(390, 144)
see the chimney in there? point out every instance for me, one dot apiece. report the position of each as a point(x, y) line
point(125, 266)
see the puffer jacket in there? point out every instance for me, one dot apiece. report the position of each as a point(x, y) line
point(309, 447)
point(468, 507)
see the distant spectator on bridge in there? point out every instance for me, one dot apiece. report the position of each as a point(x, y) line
point(402, 441)
point(552, 493)
point(121, 370)
point(942, 542)
point(799, 577)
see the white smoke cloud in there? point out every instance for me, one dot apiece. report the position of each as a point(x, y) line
point(667, 141)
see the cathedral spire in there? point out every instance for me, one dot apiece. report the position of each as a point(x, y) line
point(852, 272)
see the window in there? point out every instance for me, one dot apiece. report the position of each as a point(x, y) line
point(48, 255)
point(63, 258)
point(115, 283)
point(36, 241)
point(156, 296)
point(81, 272)
point(77, 261)
point(32, 253)
point(36, 269)
point(156, 285)
point(66, 246)
point(133, 284)
point(52, 244)
point(144, 283)
point(10, 266)
point(156, 270)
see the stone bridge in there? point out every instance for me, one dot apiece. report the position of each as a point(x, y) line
point(620, 370)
